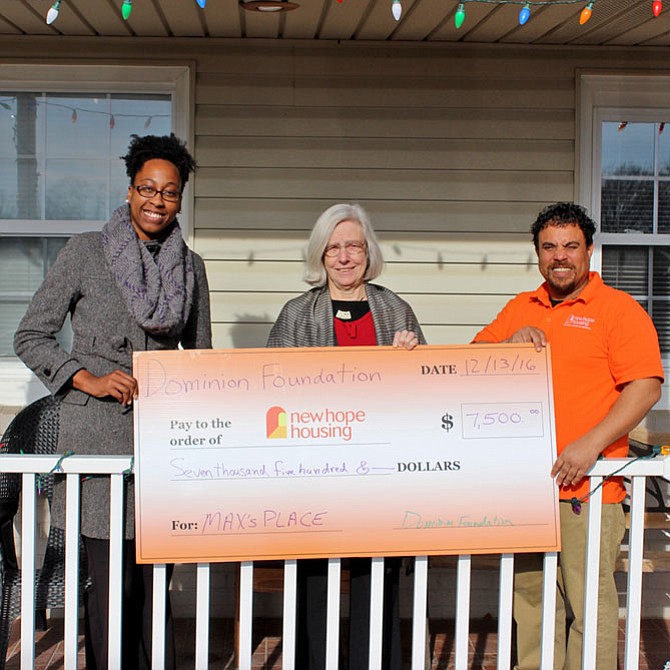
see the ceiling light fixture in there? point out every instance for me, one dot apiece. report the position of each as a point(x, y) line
point(268, 5)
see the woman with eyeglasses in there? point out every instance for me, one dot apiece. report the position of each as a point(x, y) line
point(345, 309)
point(134, 286)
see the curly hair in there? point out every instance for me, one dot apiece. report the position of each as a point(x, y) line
point(564, 214)
point(164, 147)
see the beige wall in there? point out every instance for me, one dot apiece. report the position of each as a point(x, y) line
point(426, 139)
point(453, 150)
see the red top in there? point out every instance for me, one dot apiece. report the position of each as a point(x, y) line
point(358, 333)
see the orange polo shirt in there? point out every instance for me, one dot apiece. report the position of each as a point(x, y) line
point(600, 341)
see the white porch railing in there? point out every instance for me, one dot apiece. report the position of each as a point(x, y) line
point(76, 466)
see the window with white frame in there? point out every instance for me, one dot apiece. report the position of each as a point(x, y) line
point(60, 166)
point(625, 181)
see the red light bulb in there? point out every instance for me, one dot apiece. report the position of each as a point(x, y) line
point(656, 7)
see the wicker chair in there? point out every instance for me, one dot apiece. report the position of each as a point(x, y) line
point(34, 430)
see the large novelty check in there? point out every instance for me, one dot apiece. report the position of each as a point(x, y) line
point(281, 453)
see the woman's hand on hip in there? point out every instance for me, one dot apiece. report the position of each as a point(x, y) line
point(117, 384)
point(405, 339)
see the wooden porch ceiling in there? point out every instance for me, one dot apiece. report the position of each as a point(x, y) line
point(554, 22)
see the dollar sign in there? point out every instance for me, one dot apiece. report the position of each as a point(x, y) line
point(447, 422)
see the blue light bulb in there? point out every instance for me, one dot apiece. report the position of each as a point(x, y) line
point(524, 15)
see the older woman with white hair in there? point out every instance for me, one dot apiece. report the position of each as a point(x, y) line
point(345, 309)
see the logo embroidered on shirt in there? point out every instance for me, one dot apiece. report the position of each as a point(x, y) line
point(584, 322)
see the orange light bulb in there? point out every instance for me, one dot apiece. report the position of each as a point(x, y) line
point(586, 14)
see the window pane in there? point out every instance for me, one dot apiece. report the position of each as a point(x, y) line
point(660, 306)
point(661, 285)
point(663, 149)
point(627, 268)
point(664, 207)
point(60, 159)
point(21, 265)
point(60, 153)
point(140, 115)
point(628, 148)
point(24, 262)
point(627, 206)
point(661, 319)
point(76, 126)
point(78, 189)
point(20, 124)
point(635, 198)
point(11, 312)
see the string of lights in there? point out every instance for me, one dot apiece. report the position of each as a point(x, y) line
point(75, 112)
point(524, 14)
point(396, 8)
point(526, 6)
point(126, 9)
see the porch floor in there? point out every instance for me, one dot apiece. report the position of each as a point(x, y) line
point(654, 645)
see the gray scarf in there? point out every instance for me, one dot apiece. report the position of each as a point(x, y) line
point(158, 293)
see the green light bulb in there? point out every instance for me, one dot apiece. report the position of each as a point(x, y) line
point(459, 17)
point(126, 8)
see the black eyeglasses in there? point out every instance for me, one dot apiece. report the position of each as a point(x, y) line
point(168, 194)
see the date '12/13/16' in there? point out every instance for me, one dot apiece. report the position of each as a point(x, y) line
point(500, 365)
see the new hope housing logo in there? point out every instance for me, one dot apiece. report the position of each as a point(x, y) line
point(320, 424)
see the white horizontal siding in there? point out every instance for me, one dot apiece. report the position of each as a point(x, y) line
point(244, 334)
point(430, 278)
point(431, 309)
point(381, 153)
point(454, 282)
point(373, 122)
point(431, 144)
point(452, 149)
point(219, 218)
point(385, 184)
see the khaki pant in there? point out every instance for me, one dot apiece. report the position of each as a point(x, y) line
point(570, 594)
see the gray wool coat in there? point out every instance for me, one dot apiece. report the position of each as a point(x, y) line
point(307, 321)
point(105, 336)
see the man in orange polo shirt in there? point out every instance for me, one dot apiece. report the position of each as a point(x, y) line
point(607, 375)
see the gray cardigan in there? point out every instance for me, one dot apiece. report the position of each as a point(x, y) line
point(307, 321)
point(105, 336)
